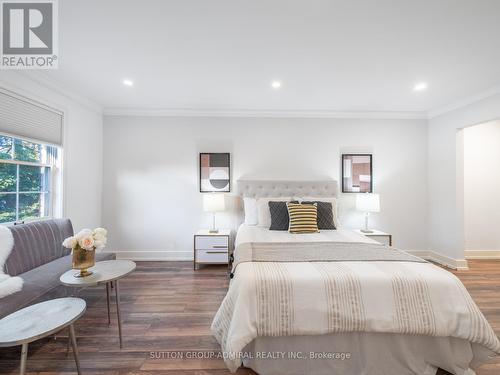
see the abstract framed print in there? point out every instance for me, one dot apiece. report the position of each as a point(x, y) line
point(215, 172)
point(357, 173)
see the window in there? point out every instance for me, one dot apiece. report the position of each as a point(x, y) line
point(26, 179)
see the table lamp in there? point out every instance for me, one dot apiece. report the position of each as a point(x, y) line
point(214, 202)
point(367, 203)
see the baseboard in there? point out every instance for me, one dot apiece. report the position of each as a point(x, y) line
point(456, 264)
point(169, 255)
point(482, 254)
point(155, 255)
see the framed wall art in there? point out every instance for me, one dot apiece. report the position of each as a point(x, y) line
point(357, 173)
point(215, 172)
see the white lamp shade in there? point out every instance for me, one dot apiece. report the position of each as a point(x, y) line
point(214, 202)
point(368, 202)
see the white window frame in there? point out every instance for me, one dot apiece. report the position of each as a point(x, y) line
point(52, 180)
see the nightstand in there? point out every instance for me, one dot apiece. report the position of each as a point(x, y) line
point(211, 248)
point(377, 235)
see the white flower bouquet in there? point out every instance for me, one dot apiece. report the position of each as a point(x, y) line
point(87, 239)
point(84, 245)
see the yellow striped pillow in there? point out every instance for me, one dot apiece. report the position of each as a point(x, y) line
point(303, 218)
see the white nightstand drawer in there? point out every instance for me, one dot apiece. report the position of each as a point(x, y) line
point(212, 248)
point(211, 243)
point(211, 256)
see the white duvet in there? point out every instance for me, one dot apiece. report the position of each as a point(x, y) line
point(253, 233)
point(324, 297)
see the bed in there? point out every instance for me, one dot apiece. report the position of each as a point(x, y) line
point(336, 302)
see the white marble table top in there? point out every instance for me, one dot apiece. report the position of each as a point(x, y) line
point(103, 272)
point(39, 320)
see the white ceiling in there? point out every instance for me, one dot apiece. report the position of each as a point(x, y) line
point(330, 55)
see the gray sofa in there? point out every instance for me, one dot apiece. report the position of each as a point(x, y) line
point(39, 258)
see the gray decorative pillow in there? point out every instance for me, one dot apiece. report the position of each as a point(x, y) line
point(279, 215)
point(325, 214)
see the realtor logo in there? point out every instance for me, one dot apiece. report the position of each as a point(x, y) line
point(29, 34)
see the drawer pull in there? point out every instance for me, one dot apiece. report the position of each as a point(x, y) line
point(216, 252)
point(219, 247)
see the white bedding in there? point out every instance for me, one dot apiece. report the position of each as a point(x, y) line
point(326, 297)
point(251, 233)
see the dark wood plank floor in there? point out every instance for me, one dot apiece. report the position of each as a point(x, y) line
point(168, 307)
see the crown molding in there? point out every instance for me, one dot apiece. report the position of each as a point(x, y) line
point(463, 102)
point(166, 112)
point(44, 80)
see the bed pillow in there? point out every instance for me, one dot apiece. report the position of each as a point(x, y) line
point(303, 218)
point(332, 200)
point(279, 215)
point(263, 213)
point(325, 214)
point(250, 208)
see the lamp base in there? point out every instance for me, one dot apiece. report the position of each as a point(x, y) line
point(213, 229)
point(366, 231)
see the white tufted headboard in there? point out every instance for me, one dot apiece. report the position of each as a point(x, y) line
point(257, 189)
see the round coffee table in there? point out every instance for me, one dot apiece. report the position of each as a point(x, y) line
point(105, 272)
point(41, 320)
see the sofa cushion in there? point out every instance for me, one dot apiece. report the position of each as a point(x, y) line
point(39, 281)
point(37, 243)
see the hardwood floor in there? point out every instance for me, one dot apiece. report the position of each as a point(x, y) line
point(167, 307)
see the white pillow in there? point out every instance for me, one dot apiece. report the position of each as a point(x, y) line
point(331, 200)
point(264, 215)
point(250, 207)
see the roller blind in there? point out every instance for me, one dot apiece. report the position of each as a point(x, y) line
point(25, 119)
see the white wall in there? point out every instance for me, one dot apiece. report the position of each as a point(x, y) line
point(151, 199)
point(162, 152)
point(82, 147)
point(482, 186)
point(446, 197)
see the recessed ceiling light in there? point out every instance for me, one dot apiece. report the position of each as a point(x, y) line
point(128, 82)
point(276, 84)
point(421, 86)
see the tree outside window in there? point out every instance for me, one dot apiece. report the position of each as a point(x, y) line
point(25, 179)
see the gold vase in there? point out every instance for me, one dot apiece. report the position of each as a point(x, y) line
point(83, 260)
